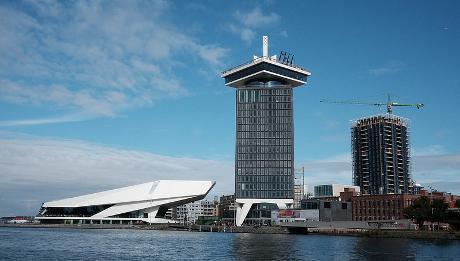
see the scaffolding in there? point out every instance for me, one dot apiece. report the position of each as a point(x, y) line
point(299, 187)
point(381, 154)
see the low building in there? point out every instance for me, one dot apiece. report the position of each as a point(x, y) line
point(381, 207)
point(332, 190)
point(191, 212)
point(447, 197)
point(146, 202)
point(347, 194)
point(293, 215)
point(227, 209)
point(328, 210)
point(17, 220)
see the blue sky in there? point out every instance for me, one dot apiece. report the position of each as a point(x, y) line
point(95, 95)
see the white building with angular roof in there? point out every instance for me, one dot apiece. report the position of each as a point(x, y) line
point(147, 202)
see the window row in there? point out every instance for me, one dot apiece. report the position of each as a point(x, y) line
point(264, 149)
point(265, 106)
point(262, 142)
point(263, 164)
point(254, 97)
point(284, 122)
point(264, 113)
point(264, 179)
point(265, 186)
point(263, 128)
point(277, 91)
point(374, 204)
point(268, 156)
point(264, 194)
point(261, 95)
point(264, 171)
point(257, 127)
point(264, 135)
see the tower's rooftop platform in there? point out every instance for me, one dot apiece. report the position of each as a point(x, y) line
point(265, 68)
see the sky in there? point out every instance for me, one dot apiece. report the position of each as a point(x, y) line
point(95, 95)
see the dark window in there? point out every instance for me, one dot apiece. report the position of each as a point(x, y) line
point(327, 204)
point(344, 205)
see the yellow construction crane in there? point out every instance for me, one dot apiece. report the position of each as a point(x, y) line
point(389, 104)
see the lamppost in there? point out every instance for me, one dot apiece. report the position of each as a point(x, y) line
point(431, 203)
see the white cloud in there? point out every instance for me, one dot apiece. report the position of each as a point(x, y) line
point(41, 121)
point(99, 103)
point(428, 151)
point(255, 18)
point(97, 58)
point(34, 170)
point(246, 34)
point(48, 165)
point(430, 166)
point(391, 67)
point(247, 23)
point(335, 169)
point(284, 33)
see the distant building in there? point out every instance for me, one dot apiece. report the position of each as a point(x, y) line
point(332, 190)
point(328, 210)
point(381, 207)
point(417, 189)
point(381, 155)
point(189, 213)
point(17, 220)
point(447, 197)
point(227, 209)
point(299, 187)
point(347, 194)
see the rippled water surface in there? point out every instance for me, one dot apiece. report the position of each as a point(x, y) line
point(105, 244)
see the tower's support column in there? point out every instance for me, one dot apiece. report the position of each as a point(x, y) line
point(242, 211)
point(244, 205)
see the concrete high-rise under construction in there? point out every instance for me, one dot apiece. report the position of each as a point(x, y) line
point(264, 156)
point(381, 155)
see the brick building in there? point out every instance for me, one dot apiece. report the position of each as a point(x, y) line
point(447, 197)
point(381, 207)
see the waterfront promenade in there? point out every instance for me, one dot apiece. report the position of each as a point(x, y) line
point(413, 234)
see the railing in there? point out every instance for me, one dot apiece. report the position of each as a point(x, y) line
point(257, 60)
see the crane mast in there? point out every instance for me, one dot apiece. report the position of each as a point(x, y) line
point(389, 104)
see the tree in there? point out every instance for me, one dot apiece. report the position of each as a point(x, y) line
point(439, 211)
point(423, 209)
point(420, 210)
point(457, 203)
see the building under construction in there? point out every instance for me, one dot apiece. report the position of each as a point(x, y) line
point(381, 155)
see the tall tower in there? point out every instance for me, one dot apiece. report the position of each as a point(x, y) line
point(381, 155)
point(264, 153)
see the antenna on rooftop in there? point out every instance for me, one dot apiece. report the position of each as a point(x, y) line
point(286, 58)
point(265, 46)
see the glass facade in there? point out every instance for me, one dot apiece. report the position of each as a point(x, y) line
point(264, 141)
point(323, 191)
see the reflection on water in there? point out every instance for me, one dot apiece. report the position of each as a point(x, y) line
point(383, 249)
point(263, 247)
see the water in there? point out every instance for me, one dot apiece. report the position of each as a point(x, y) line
point(118, 244)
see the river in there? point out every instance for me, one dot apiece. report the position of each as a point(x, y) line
point(128, 244)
